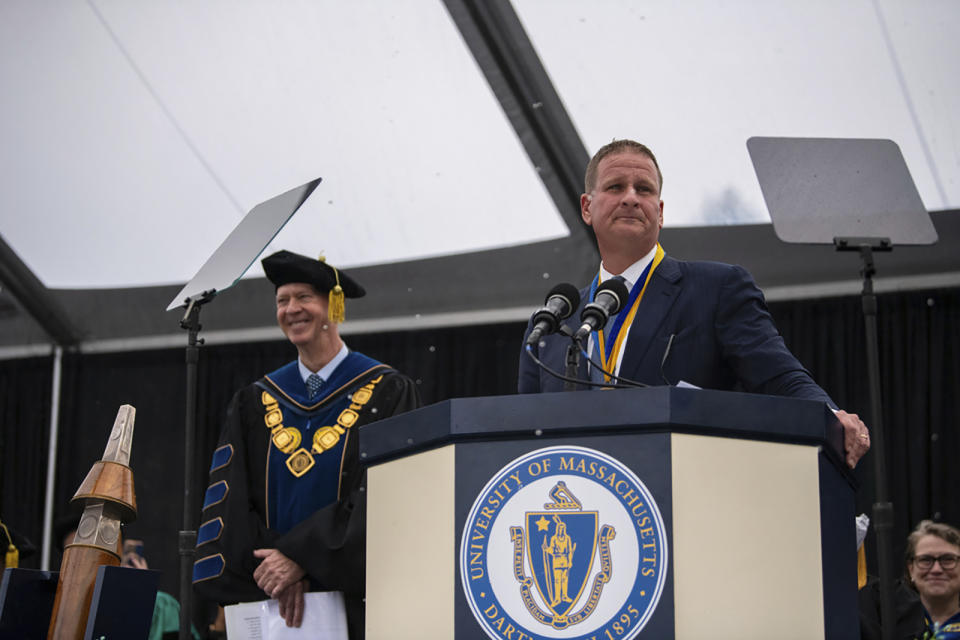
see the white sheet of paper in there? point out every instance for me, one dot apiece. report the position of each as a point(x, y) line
point(324, 618)
point(244, 620)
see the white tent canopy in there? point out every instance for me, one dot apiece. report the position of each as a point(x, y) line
point(137, 134)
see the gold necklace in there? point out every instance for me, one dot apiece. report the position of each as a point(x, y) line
point(288, 439)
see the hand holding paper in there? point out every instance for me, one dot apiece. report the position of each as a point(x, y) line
point(324, 618)
point(291, 603)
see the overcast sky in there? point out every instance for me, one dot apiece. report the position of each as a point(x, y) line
point(136, 134)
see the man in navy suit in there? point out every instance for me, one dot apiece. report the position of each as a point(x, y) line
point(705, 323)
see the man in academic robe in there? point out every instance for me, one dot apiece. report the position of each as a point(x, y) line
point(284, 512)
point(704, 323)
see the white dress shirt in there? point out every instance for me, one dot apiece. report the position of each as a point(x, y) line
point(327, 370)
point(630, 276)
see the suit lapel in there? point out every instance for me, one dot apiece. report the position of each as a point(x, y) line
point(660, 295)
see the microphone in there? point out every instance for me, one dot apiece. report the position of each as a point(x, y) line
point(559, 305)
point(610, 296)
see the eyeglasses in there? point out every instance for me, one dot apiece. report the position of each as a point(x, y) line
point(947, 561)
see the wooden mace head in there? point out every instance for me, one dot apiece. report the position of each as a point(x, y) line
point(111, 479)
point(110, 482)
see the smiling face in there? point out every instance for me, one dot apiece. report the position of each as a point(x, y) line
point(301, 313)
point(624, 208)
point(936, 582)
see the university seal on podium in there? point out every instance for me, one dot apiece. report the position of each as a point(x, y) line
point(564, 542)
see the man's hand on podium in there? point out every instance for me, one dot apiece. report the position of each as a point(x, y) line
point(856, 436)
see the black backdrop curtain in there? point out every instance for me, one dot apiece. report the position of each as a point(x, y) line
point(920, 355)
point(920, 379)
point(25, 392)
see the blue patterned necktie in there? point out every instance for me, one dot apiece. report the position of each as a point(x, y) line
point(314, 382)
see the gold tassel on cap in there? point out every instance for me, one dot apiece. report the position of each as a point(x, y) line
point(335, 307)
point(12, 559)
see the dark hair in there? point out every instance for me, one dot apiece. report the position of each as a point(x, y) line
point(929, 528)
point(617, 146)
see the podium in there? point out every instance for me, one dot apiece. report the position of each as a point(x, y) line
point(650, 513)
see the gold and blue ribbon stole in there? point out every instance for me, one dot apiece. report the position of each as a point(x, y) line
point(610, 344)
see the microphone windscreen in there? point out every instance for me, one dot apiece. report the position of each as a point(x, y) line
point(569, 292)
point(617, 287)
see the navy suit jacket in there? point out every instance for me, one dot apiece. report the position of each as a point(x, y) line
point(724, 337)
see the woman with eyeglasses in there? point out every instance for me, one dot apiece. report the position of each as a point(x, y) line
point(927, 598)
point(933, 550)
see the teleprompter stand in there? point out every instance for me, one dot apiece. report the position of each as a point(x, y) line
point(857, 195)
point(187, 537)
point(221, 271)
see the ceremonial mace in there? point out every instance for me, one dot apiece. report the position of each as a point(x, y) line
point(110, 500)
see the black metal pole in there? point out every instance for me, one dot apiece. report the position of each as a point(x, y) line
point(882, 508)
point(188, 535)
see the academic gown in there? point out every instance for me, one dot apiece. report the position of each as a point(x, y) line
point(270, 488)
point(911, 620)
